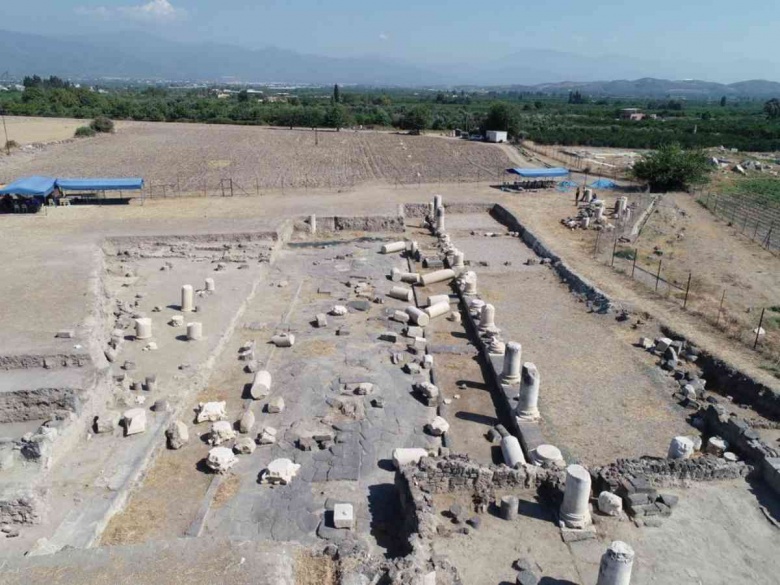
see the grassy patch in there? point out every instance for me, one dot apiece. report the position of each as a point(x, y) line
point(763, 188)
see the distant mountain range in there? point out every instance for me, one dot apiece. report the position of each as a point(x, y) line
point(143, 56)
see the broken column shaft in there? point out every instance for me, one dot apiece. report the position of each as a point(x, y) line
point(527, 408)
point(575, 512)
point(511, 370)
point(187, 298)
point(616, 565)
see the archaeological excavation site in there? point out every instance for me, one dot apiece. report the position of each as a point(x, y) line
point(412, 389)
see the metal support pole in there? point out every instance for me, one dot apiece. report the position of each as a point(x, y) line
point(658, 276)
point(758, 331)
point(768, 237)
point(687, 290)
point(720, 308)
point(596, 248)
point(633, 266)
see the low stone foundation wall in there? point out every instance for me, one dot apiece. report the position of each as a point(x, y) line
point(49, 361)
point(39, 404)
point(418, 210)
point(22, 506)
point(577, 283)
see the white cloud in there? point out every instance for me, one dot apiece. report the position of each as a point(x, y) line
point(383, 36)
point(152, 11)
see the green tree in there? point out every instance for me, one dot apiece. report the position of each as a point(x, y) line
point(772, 108)
point(723, 101)
point(336, 94)
point(672, 168)
point(243, 96)
point(416, 119)
point(336, 117)
point(503, 116)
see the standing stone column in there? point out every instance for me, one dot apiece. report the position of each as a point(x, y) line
point(616, 565)
point(575, 512)
point(437, 200)
point(527, 408)
point(487, 319)
point(210, 286)
point(143, 328)
point(511, 370)
point(440, 220)
point(401, 210)
point(470, 283)
point(313, 223)
point(187, 303)
point(194, 331)
point(459, 260)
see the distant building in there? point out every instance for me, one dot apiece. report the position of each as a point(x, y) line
point(634, 114)
point(496, 136)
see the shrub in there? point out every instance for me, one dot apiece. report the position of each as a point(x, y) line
point(11, 144)
point(626, 253)
point(102, 124)
point(84, 131)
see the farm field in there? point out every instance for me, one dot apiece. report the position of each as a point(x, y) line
point(198, 158)
point(30, 130)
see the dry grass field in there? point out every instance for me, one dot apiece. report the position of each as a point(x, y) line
point(27, 130)
point(191, 158)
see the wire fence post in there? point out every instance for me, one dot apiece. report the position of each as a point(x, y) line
point(658, 276)
point(758, 330)
point(720, 307)
point(596, 248)
point(614, 249)
point(687, 290)
point(633, 266)
point(768, 237)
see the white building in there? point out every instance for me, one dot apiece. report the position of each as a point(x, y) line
point(496, 136)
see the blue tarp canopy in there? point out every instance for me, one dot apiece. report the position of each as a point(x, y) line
point(603, 184)
point(128, 184)
point(30, 187)
point(540, 173)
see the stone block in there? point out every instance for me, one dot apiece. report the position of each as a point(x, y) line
point(610, 504)
point(280, 471)
point(246, 422)
point(321, 320)
point(275, 405)
point(437, 427)
point(211, 411)
point(244, 446)
point(221, 431)
point(177, 435)
point(221, 459)
point(343, 516)
point(267, 436)
point(406, 456)
point(135, 421)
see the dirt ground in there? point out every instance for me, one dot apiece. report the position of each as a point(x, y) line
point(719, 258)
point(30, 130)
point(198, 158)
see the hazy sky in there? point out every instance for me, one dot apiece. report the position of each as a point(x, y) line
point(718, 31)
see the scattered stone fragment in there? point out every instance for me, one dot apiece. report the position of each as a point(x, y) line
point(161, 405)
point(221, 459)
point(681, 448)
point(437, 427)
point(716, 446)
point(527, 578)
point(360, 305)
point(221, 431)
point(414, 332)
point(283, 339)
point(128, 366)
point(106, 423)
point(610, 504)
point(244, 446)
point(344, 516)
point(65, 334)
point(378, 402)
point(177, 435)
point(322, 320)
point(412, 368)
point(646, 343)
point(246, 422)
point(280, 471)
point(211, 411)
point(267, 436)
point(405, 456)
point(390, 336)
point(339, 311)
point(429, 392)
point(261, 385)
point(176, 321)
point(341, 331)
point(275, 405)
point(475, 522)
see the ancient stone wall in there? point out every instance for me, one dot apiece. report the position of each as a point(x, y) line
point(577, 283)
